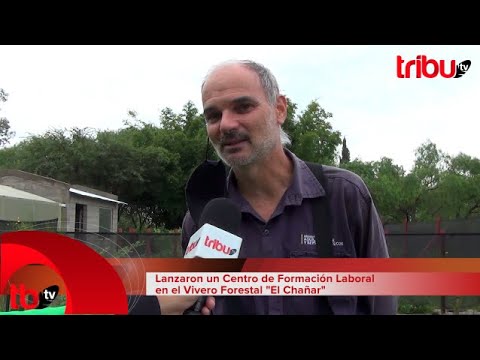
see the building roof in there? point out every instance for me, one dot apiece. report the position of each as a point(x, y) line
point(86, 193)
point(8, 191)
point(69, 188)
point(21, 206)
point(31, 176)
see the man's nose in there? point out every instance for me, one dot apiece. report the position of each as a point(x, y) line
point(229, 121)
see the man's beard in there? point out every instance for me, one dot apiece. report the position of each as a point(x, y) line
point(259, 150)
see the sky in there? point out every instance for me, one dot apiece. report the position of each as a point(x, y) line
point(65, 86)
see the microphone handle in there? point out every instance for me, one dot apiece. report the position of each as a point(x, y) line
point(197, 307)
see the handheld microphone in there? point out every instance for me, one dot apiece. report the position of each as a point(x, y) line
point(216, 238)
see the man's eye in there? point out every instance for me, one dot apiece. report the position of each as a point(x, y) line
point(242, 108)
point(211, 118)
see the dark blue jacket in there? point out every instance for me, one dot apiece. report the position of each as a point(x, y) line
point(289, 233)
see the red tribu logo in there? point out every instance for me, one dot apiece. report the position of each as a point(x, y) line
point(219, 246)
point(192, 246)
point(431, 68)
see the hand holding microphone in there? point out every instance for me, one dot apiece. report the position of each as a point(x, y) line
point(216, 238)
point(166, 304)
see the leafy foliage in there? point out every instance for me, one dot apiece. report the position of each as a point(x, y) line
point(147, 165)
point(5, 133)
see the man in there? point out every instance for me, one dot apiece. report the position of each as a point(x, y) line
point(275, 190)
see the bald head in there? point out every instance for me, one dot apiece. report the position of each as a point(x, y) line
point(240, 79)
point(264, 77)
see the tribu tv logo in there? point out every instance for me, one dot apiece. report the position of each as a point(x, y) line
point(431, 68)
point(28, 299)
point(40, 267)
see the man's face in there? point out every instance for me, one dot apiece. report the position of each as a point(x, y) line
point(241, 124)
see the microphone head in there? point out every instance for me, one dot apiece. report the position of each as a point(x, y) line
point(222, 213)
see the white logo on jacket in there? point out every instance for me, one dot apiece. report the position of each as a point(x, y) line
point(307, 239)
point(337, 243)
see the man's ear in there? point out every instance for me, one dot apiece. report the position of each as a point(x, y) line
point(281, 109)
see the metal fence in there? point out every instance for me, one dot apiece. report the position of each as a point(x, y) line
point(401, 245)
point(439, 239)
point(145, 245)
point(418, 245)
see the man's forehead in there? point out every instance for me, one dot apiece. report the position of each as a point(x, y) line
point(230, 78)
point(231, 70)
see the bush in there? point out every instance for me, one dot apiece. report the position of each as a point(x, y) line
point(416, 305)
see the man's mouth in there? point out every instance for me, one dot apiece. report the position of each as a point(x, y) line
point(232, 143)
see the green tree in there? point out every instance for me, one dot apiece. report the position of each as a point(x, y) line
point(458, 193)
point(345, 153)
point(169, 120)
point(430, 162)
point(147, 165)
point(8, 158)
point(193, 123)
point(363, 169)
point(429, 166)
point(313, 136)
point(289, 125)
point(148, 173)
point(62, 154)
point(396, 195)
point(5, 133)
